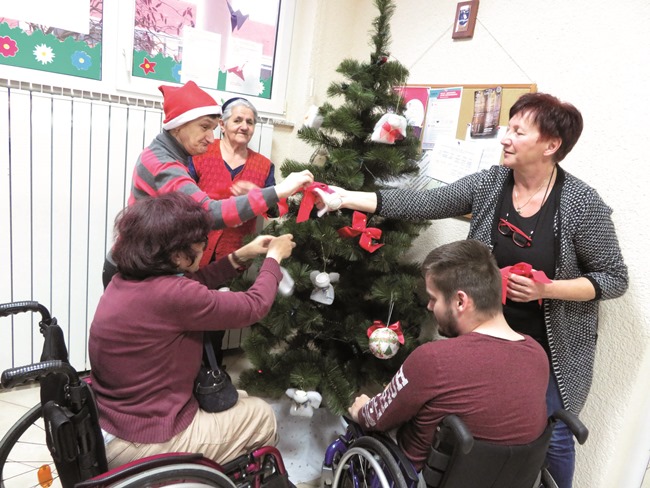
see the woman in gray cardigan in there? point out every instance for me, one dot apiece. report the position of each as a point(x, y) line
point(530, 210)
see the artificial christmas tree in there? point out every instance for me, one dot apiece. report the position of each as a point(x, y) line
point(348, 267)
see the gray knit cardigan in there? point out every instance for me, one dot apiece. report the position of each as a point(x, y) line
point(585, 245)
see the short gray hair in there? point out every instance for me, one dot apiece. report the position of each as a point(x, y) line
point(228, 105)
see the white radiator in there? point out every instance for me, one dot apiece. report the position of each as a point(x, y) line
point(65, 172)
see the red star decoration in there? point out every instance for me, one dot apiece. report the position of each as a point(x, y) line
point(237, 70)
point(148, 66)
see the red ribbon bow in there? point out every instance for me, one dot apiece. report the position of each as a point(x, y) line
point(309, 199)
point(368, 234)
point(521, 269)
point(396, 327)
point(390, 133)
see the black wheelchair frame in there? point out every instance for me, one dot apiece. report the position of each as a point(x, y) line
point(70, 428)
point(456, 459)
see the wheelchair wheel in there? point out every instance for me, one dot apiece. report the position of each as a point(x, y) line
point(23, 453)
point(177, 475)
point(368, 464)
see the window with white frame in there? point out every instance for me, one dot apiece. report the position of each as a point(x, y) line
point(236, 47)
point(230, 47)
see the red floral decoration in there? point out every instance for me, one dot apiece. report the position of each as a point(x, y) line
point(148, 66)
point(8, 47)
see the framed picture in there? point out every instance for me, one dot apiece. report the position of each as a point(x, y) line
point(465, 19)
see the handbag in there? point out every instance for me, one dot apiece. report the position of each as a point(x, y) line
point(213, 387)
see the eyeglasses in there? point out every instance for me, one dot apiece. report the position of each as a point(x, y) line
point(519, 237)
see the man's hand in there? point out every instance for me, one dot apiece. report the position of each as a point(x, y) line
point(359, 402)
point(294, 182)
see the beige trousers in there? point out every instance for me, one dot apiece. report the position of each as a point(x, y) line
point(219, 436)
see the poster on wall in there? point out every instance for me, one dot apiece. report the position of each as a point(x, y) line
point(40, 35)
point(415, 106)
point(443, 111)
point(228, 45)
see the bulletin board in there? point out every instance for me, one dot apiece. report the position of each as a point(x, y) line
point(510, 93)
point(460, 127)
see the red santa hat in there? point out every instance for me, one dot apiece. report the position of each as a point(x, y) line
point(185, 103)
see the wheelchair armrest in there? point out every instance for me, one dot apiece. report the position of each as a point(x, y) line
point(353, 427)
point(465, 440)
point(572, 421)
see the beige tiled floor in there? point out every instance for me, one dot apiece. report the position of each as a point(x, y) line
point(15, 403)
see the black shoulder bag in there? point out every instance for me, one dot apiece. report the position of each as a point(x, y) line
point(213, 388)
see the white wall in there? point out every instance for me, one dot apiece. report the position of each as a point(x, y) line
point(593, 54)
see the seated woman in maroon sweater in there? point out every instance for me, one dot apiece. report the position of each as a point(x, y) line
point(145, 340)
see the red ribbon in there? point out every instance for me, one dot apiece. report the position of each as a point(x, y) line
point(309, 199)
point(390, 133)
point(396, 327)
point(368, 234)
point(521, 269)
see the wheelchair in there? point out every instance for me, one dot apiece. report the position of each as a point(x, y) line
point(58, 442)
point(358, 459)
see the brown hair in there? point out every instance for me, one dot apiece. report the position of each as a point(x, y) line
point(152, 230)
point(553, 117)
point(467, 266)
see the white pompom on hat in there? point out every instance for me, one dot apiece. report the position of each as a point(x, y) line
point(185, 103)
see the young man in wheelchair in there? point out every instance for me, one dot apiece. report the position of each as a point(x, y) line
point(490, 376)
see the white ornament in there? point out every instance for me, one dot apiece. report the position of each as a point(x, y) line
point(323, 291)
point(287, 284)
point(383, 343)
point(332, 201)
point(313, 119)
point(304, 402)
point(389, 128)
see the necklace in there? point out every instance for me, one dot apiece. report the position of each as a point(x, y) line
point(518, 207)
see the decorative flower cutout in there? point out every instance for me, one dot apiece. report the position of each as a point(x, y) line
point(44, 54)
point(176, 72)
point(8, 46)
point(81, 60)
point(148, 66)
point(260, 88)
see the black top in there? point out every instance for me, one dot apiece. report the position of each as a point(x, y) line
point(528, 318)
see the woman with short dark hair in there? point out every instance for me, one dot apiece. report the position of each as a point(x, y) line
point(146, 338)
point(530, 210)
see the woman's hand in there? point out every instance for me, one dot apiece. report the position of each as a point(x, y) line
point(281, 247)
point(259, 245)
point(356, 200)
point(294, 182)
point(241, 187)
point(522, 289)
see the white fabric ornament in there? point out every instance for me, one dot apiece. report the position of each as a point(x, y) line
point(390, 128)
point(313, 119)
point(323, 290)
point(304, 402)
point(287, 284)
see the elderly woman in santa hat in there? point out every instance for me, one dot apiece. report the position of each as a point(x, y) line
point(191, 116)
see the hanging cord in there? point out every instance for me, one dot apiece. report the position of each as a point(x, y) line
point(431, 46)
point(505, 51)
point(390, 309)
